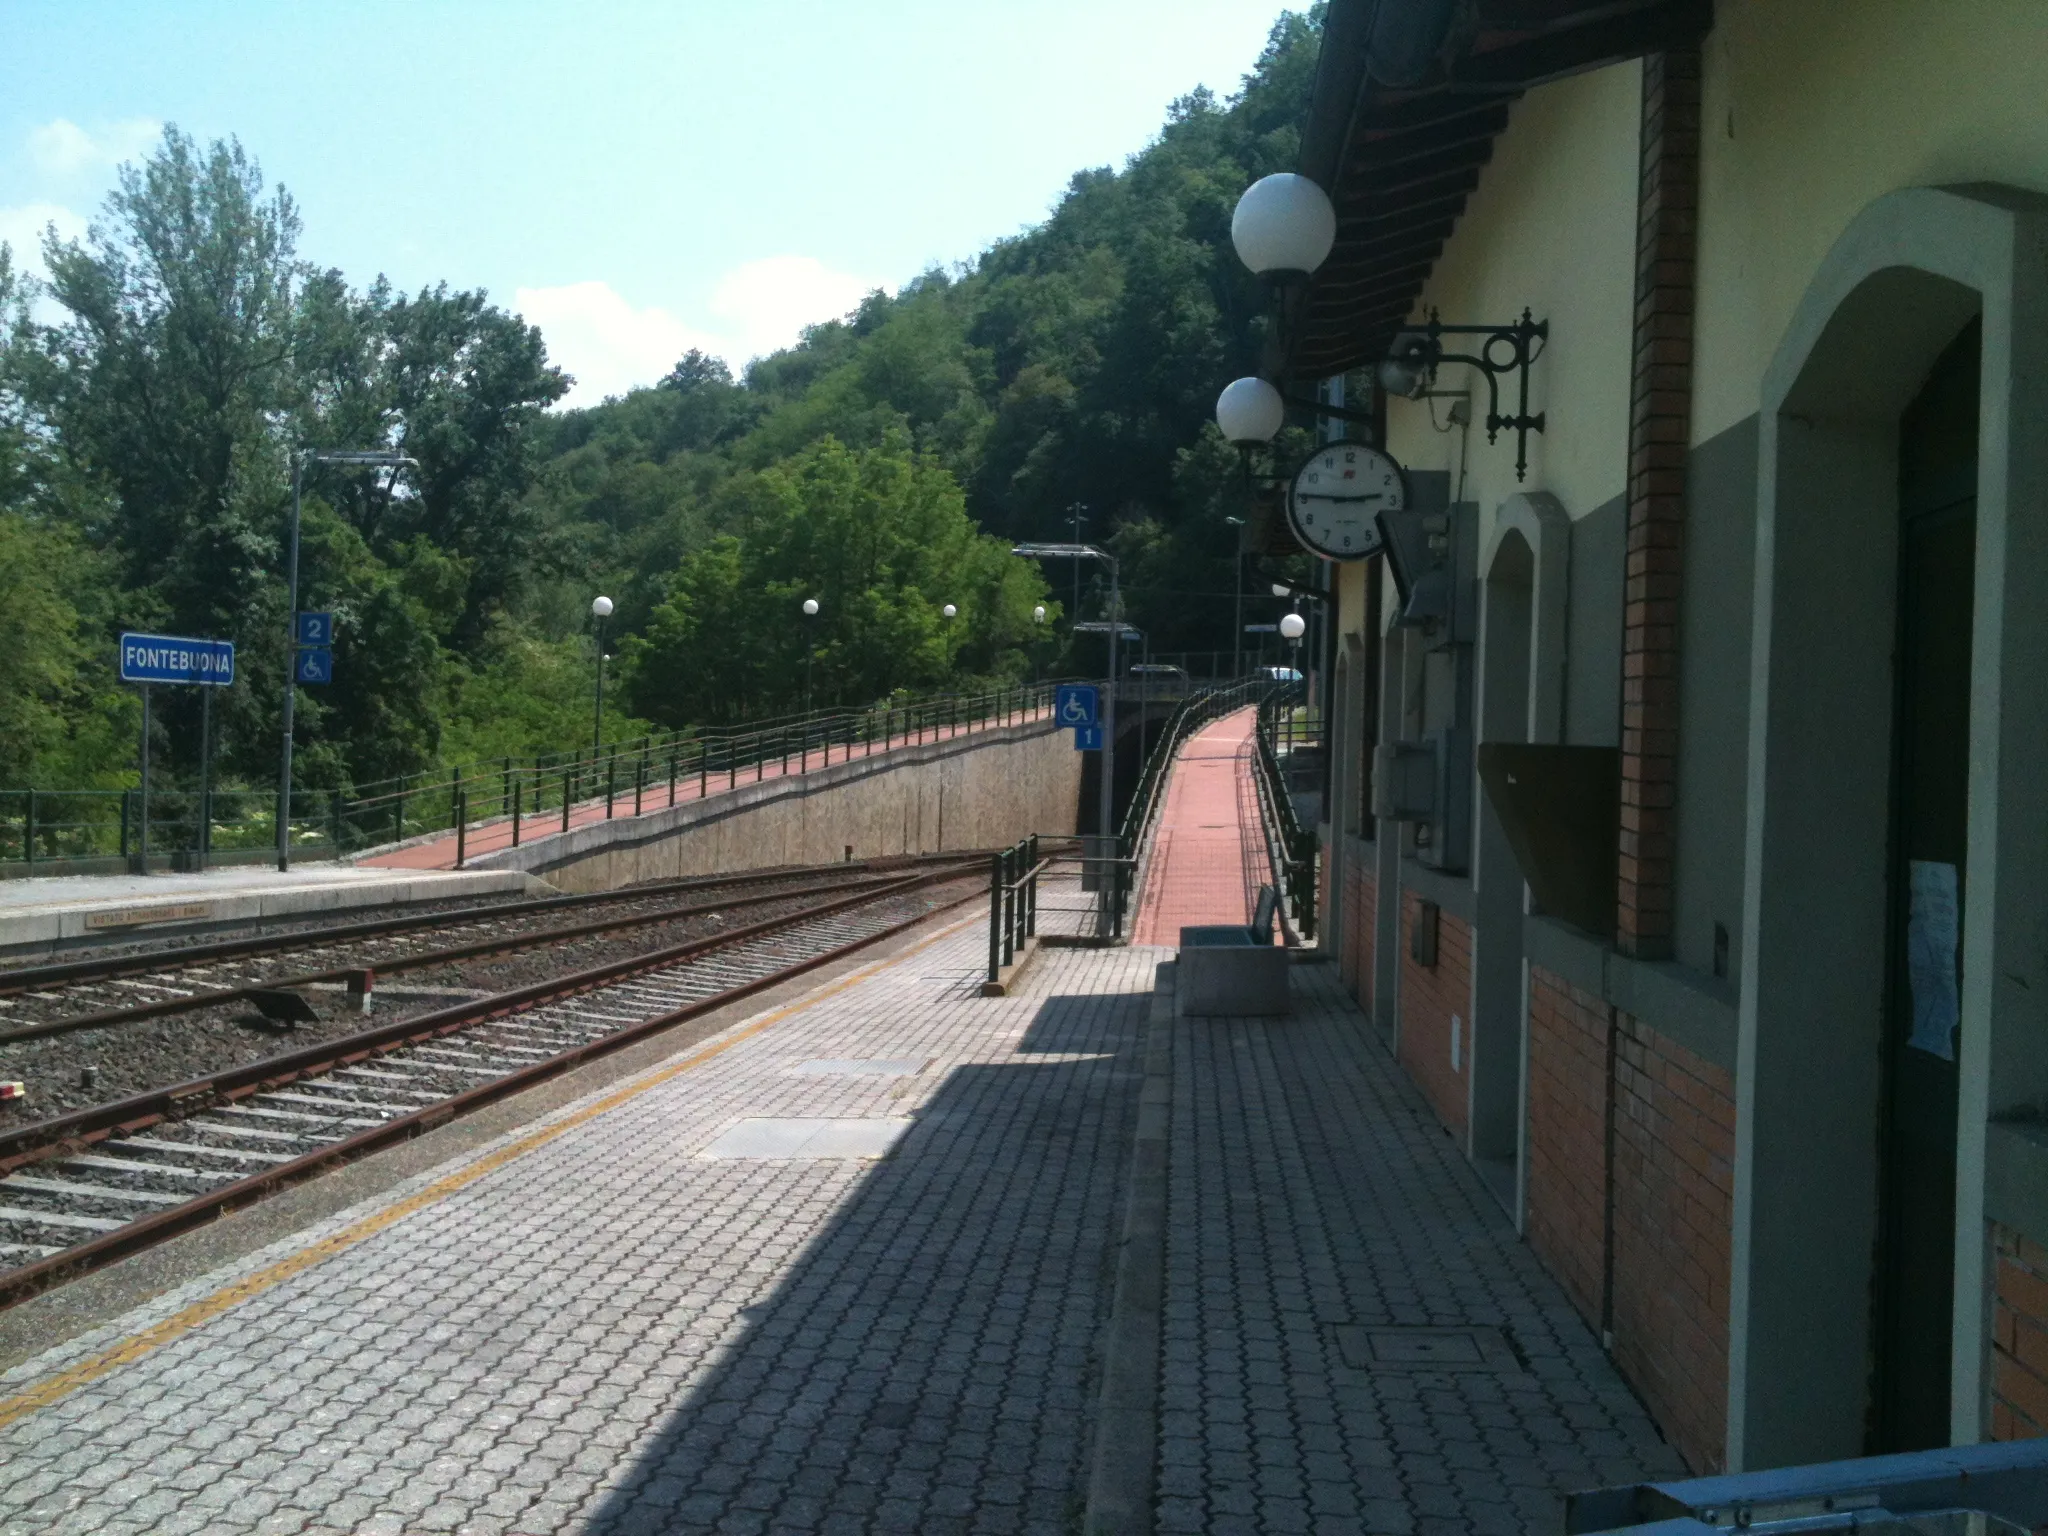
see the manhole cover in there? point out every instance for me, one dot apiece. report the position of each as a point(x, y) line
point(1425, 1349)
point(808, 1138)
point(824, 1067)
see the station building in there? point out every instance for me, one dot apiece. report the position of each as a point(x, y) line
point(1691, 853)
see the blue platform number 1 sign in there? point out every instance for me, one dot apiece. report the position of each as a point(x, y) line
point(315, 659)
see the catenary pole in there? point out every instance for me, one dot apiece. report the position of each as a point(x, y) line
point(291, 659)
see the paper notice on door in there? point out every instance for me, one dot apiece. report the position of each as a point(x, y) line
point(1932, 931)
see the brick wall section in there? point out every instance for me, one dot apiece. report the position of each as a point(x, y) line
point(1660, 423)
point(1347, 941)
point(1365, 908)
point(1567, 1136)
point(2019, 1336)
point(1430, 995)
point(1674, 1205)
point(1673, 1201)
point(1354, 956)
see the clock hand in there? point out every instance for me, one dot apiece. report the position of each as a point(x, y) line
point(1320, 496)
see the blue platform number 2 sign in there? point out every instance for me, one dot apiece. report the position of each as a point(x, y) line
point(314, 662)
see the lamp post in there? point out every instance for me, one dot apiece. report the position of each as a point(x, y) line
point(374, 458)
point(1037, 617)
point(1237, 599)
point(810, 648)
point(600, 610)
point(1107, 798)
point(1077, 514)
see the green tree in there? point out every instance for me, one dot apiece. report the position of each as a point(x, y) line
point(881, 538)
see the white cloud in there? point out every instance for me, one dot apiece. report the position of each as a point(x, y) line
point(607, 344)
point(611, 347)
point(764, 305)
point(22, 228)
point(62, 148)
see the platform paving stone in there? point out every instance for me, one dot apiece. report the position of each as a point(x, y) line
point(1310, 1188)
point(614, 1333)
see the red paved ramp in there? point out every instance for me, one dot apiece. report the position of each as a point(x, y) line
point(1208, 854)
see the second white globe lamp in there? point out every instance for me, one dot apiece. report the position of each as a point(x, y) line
point(810, 607)
point(601, 607)
point(949, 610)
point(1250, 411)
point(1293, 626)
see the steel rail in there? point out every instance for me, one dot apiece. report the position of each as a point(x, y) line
point(32, 978)
point(133, 1013)
point(72, 1133)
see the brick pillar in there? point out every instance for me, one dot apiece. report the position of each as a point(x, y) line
point(1660, 424)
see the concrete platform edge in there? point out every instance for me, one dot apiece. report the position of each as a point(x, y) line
point(74, 1318)
point(1123, 1477)
point(64, 924)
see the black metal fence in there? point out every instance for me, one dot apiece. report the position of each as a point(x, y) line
point(1285, 727)
point(1013, 901)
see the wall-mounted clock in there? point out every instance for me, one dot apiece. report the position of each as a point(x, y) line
point(1337, 494)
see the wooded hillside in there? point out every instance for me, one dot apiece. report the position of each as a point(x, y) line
point(152, 394)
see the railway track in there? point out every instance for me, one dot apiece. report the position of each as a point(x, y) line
point(86, 1188)
point(103, 992)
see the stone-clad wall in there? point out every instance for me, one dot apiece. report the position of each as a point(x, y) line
point(985, 789)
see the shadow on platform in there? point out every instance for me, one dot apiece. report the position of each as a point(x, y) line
point(931, 1357)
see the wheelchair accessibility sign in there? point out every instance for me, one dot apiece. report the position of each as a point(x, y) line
point(1075, 704)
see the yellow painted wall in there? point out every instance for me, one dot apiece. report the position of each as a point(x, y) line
point(1351, 597)
point(1813, 108)
point(1551, 227)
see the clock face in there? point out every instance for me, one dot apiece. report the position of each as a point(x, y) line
point(1336, 495)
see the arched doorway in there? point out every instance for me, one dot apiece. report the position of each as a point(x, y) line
point(1520, 666)
point(1928, 868)
point(1898, 643)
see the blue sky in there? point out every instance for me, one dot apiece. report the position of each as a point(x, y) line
point(634, 178)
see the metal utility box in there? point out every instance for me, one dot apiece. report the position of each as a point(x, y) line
point(1428, 785)
point(1404, 780)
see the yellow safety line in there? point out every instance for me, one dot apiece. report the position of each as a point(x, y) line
point(55, 1388)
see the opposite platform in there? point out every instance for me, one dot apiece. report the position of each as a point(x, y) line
point(38, 916)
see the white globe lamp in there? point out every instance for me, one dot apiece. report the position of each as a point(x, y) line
point(601, 607)
point(1284, 227)
point(1250, 411)
point(810, 607)
point(1293, 626)
point(1038, 614)
point(949, 610)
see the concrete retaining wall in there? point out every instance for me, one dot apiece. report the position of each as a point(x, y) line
point(982, 790)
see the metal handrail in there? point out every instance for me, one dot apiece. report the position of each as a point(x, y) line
point(643, 773)
point(1291, 847)
point(1013, 901)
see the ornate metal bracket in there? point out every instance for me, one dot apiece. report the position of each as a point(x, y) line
point(1506, 349)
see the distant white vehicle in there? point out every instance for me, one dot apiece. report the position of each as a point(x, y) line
point(1279, 674)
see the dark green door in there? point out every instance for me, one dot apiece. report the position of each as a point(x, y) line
point(1937, 562)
